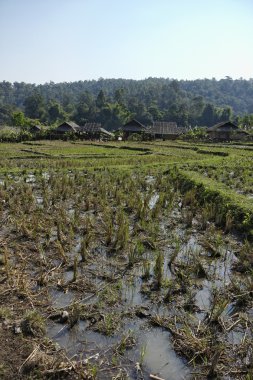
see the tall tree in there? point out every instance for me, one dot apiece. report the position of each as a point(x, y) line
point(101, 100)
point(35, 106)
point(209, 116)
point(55, 112)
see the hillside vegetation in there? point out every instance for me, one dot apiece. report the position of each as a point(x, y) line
point(201, 102)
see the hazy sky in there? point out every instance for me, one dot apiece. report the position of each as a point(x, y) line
point(69, 40)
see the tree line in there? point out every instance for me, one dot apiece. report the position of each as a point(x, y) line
point(113, 102)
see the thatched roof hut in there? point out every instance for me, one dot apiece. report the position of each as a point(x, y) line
point(67, 126)
point(226, 131)
point(95, 131)
point(35, 129)
point(165, 130)
point(133, 126)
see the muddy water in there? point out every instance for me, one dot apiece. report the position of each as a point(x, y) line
point(137, 302)
point(160, 358)
point(79, 340)
point(153, 347)
point(60, 299)
point(153, 200)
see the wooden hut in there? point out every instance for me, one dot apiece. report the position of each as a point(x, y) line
point(166, 130)
point(94, 131)
point(132, 127)
point(226, 131)
point(67, 127)
point(35, 129)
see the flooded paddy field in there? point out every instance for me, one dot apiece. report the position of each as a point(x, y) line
point(112, 269)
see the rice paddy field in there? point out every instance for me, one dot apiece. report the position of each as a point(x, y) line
point(123, 260)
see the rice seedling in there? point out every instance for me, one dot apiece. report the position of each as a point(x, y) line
point(108, 324)
point(189, 304)
point(75, 269)
point(176, 250)
point(218, 305)
point(229, 221)
point(188, 217)
point(74, 314)
point(143, 351)
point(158, 269)
point(122, 232)
point(61, 251)
point(173, 288)
point(127, 341)
point(132, 256)
point(108, 227)
point(146, 268)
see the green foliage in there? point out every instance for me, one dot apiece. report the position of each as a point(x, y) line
point(18, 119)
point(9, 135)
point(196, 134)
point(135, 137)
point(35, 106)
point(112, 102)
point(229, 209)
point(55, 112)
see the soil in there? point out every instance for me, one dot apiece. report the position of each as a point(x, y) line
point(14, 350)
point(14, 347)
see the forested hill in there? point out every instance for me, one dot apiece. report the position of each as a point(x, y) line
point(113, 101)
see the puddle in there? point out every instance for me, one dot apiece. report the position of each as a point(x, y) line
point(61, 299)
point(153, 348)
point(30, 178)
point(202, 297)
point(153, 200)
point(160, 358)
point(222, 266)
point(45, 175)
point(39, 200)
point(79, 339)
point(236, 337)
point(150, 179)
point(131, 293)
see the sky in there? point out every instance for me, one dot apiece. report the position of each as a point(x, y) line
point(71, 40)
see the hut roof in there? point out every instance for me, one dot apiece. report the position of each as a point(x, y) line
point(102, 130)
point(242, 132)
point(165, 128)
point(223, 126)
point(134, 126)
point(69, 124)
point(93, 128)
point(36, 127)
point(90, 127)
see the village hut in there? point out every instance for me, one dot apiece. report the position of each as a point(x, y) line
point(94, 131)
point(226, 131)
point(67, 127)
point(166, 130)
point(35, 129)
point(133, 127)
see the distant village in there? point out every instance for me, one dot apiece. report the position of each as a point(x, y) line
point(134, 130)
